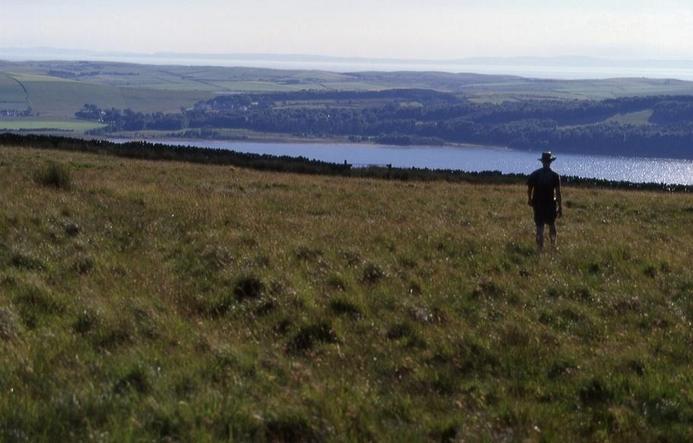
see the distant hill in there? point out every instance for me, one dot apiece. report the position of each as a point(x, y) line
point(628, 116)
point(556, 67)
point(57, 89)
point(649, 126)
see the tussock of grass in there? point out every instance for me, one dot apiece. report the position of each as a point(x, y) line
point(9, 324)
point(83, 264)
point(23, 260)
point(309, 336)
point(372, 274)
point(72, 229)
point(168, 301)
point(86, 322)
point(345, 307)
point(54, 175)
point(290, 429)
point(248, 287)
point(135, 379)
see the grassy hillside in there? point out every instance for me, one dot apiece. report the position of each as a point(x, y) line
point(153, 300)
point(12, 96)
point(56, 97)
point(43, 124)
point(58, 89)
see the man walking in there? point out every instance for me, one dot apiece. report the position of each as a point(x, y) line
point(544, 195)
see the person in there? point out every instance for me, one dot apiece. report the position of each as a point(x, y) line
point(544, 196)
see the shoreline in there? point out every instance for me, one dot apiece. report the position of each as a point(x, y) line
point(246, 136)
point(304, 165)
point(342, 141)
point(164, 138)
point(288, 139)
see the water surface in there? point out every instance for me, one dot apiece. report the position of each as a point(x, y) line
point(469, 158)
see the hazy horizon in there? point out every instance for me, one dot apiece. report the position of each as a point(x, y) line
point(409, 29)
point(558, 58)
point(561, 67)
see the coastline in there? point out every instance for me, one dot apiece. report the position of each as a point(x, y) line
point(308, 164)
point(248, 137)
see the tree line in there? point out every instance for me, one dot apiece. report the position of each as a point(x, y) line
point(154, 151)
point(411, 116)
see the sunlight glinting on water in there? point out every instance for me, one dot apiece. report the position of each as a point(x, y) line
point(632, 169)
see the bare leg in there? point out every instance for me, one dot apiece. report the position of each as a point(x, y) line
point(540, 237)
point(552, 234)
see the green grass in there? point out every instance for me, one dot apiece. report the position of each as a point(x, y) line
point(229, 134)
point(12, 96)
point(65, 125)
point(62, 99)
point(54, 175)
point(59, 89)
point(497, 92)
point(59, 99)
point(633, 118)
point(170, 301)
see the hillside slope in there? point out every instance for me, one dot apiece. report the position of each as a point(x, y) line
point(155, 300)
point(60, 88)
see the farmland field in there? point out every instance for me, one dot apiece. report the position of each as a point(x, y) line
point(627, 116)
point(57, 98)
point(58, 89)
point(12, 96)
point(66, 125)
point(632, 118)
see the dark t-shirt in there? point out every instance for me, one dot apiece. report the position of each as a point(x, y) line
point(544, 181)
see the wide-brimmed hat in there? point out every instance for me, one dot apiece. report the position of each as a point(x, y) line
point(547, 157)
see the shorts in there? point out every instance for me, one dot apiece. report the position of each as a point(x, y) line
point(545, 214)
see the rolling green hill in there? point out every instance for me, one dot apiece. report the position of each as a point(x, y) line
point(55, 87)
point(56, 90)
point(56, 97)
point(12, 95)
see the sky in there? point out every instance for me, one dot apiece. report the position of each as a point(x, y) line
point(416, 29)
